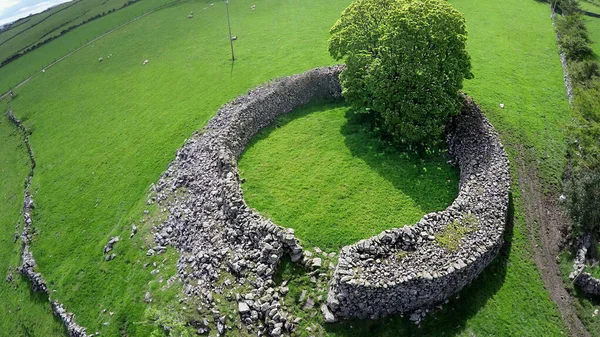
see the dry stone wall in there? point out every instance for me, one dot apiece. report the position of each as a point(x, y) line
point(405, 269)
point(28, 264)
point(208, 221)
point(583, 279)
point(400, 270)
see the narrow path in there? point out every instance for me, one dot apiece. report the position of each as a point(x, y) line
point(547, 226)
point(90, 42)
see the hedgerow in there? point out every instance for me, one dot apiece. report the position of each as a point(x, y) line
point(583, 184)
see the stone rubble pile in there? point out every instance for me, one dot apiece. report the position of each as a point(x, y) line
point(208, 221)
point(578, 275)
point(405, 269)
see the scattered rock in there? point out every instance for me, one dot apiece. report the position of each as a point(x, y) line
point(243, 308)
point(110, 257)
point(310, 303)
point(327, 315)
point(109, 246)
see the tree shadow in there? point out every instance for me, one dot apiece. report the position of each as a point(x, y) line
point(451, 319)
point(428, 179)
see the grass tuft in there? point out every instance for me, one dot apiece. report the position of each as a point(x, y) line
point(450, 237)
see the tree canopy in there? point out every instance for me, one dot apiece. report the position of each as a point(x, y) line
point(405, 62)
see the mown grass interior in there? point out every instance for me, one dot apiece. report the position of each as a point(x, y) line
point(319, 171)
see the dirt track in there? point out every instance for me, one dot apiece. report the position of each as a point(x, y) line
point(547, 226)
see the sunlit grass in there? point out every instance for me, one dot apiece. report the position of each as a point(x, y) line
point(103, 132)
point(317, 171)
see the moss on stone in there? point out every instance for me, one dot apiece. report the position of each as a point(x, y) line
point(450, 237)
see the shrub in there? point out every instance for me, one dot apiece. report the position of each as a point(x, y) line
point(568, 6)
point(405, 62)
point(586, 129)
point(584, 73)
point(574, 37)
point(584, 200)
point(583, 186)
point(575, 48)
point(572, 25)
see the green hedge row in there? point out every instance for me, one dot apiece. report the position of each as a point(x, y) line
point(583, 181)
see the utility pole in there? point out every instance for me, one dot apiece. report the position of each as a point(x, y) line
point(229, 25)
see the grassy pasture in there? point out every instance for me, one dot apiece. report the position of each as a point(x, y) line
point(27, 65)
point(24, 312)
point(593, 25)
point(102, 132)
point(317, 171)
point(50, 23)
point(101, 159)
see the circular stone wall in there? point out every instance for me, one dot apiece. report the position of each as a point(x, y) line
point(399, 270)
point(413, 267)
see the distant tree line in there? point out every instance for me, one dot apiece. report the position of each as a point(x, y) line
point(63, 32)
point(583, 181)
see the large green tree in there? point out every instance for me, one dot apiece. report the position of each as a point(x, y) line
point(405, 62)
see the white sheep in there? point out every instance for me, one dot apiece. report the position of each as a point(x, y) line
point(100, 59)
point(145, 62)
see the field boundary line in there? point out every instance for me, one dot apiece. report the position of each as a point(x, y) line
point(88, 43)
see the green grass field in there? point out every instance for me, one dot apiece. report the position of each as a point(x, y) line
point(87, 191)
point(25, 313)
point(27, 65)
point(30, 31)
point(593, 24)
point(103, 132)
point(319, 172)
